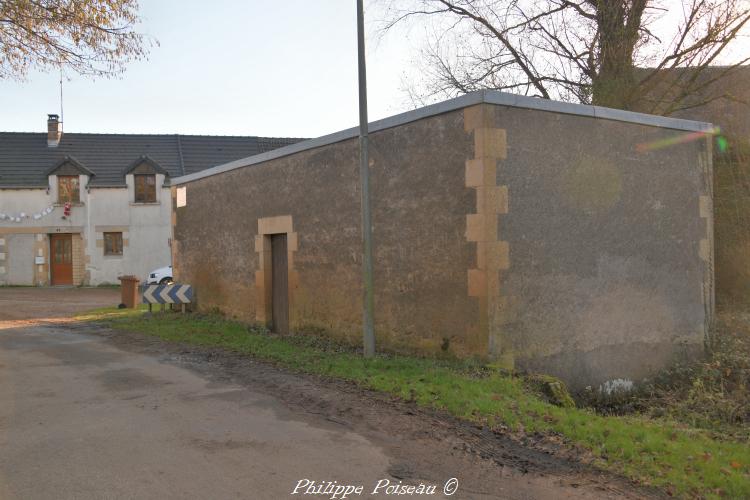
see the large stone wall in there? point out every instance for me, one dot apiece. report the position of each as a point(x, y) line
point(420, 204)
point(731, 178)
point(610, 248)
point(543, 240)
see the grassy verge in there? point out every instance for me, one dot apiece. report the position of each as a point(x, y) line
point(662, 452)
point(711, 394)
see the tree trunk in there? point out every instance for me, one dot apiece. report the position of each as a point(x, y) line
point(619, 23)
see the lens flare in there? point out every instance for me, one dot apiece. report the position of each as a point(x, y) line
point(722, 144)
point(682, 139)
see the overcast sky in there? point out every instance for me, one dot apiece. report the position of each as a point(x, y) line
point(286, 68)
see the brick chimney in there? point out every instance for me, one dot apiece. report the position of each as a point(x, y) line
point(54, 130)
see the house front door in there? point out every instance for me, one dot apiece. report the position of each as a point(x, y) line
point(61, 260)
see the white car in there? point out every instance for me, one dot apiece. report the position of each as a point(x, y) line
point(161, 276)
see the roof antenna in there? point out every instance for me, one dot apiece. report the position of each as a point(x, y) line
point(61, 95)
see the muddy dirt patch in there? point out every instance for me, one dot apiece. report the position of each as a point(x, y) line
point(423, 444)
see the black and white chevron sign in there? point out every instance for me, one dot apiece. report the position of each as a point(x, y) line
point(167, 294)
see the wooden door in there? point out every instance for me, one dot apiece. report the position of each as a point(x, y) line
point(279, 284)
point(61, 258)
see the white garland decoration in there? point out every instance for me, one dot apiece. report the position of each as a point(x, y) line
point(23, 215)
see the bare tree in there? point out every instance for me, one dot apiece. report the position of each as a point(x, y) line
point(628, 54)
point(89, 37)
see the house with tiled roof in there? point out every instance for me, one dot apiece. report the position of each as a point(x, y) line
point(83, 209)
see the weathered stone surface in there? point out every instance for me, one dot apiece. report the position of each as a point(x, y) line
point(555, 248)
point(420, 204)
point(606, 272)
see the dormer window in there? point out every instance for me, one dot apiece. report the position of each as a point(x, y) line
point(68, 189)
point(67, 177)
point(145, 179)
point(145, 188)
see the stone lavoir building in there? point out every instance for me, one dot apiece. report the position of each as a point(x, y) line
point(83, 209)
point(554, 237)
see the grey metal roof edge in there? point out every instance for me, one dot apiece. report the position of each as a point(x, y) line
point(477, 97)
point(652, 120)
point(570, 108)
point(342, 135)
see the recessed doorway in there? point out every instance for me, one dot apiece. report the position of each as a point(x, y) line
point(279, 284)
point(61, 259)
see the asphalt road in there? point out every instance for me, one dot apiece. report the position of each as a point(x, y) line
point(86, 413)
point(81, 419)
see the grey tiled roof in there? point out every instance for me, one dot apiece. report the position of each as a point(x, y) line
point(25, 158)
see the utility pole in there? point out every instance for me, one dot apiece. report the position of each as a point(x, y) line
point(368, 331)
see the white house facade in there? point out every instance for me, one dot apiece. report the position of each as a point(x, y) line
point(84, 209)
